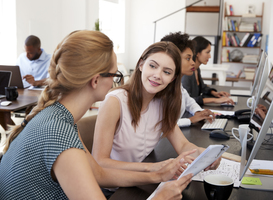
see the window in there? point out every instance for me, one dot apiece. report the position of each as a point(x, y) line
point(8, 42)
point(112, 22)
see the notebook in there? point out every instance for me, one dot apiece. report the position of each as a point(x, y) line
point(5, 77)
point(16, 79)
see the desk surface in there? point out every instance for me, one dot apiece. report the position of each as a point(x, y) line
point(164, 150)
point(25, 98)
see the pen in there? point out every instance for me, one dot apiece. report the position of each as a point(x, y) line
point(262, 171)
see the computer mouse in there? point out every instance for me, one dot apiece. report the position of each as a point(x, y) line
point(219, 134)
point(5, 103)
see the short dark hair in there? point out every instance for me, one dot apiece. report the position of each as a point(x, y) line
point(201, 43)
point(180, 40)
point(33, 40)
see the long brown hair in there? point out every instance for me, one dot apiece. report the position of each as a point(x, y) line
point(170, 96)
point(76, 60)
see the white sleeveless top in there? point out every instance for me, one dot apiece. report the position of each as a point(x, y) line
point(132, 145)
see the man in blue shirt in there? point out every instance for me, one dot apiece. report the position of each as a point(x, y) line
point(33, 63)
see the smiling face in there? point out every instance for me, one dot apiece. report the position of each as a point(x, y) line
point(157, 72)
point(204, 56)
point(187, 62)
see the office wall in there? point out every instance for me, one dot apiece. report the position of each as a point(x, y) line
point(270, 42)
point(141, 27)
point(52, 20)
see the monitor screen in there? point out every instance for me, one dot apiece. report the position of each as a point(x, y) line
point(5, 77)
point(261, 118)
point(260, 83)
point(258, 73)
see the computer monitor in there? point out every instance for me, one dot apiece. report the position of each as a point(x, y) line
point(16, 79)
point(258, 73)
point(261, 119)
point(260, 83)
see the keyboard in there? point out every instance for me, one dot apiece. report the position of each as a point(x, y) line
point(216, 124)
point(246, 93)
point(234, 99)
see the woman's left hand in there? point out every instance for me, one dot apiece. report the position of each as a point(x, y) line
point(220, 94)
point(214, 165)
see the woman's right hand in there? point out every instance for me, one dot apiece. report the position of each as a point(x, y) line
point(201, 115)
point(172, 190)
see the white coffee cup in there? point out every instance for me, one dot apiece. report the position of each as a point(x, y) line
point(243, 130)
point(249, 102)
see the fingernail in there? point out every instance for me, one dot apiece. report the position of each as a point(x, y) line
point(182, 160)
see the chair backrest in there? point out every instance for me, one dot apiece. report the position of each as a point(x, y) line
point(86, 127)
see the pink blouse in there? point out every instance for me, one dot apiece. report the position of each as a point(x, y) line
point(132, 145)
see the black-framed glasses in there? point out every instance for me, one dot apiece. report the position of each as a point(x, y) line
point(117, 76)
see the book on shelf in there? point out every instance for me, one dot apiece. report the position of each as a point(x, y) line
point(227, 9)
point(224, 39)
point(259, 25)
point(256, 28)
point(231, 10)
point(237, 39)
point(234, 41)
point(225, 55)
point(233, 25)
point(227, 40)
point(236, 25)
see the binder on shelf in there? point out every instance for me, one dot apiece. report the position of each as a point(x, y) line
point(258, 41)
point(251, 41)
point(257, 35)
point(247, 40)
point(244, 39)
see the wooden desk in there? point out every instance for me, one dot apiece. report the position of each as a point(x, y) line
point(164, 150)
point(25, 98)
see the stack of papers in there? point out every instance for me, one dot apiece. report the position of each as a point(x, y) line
point(251, 59)
point(246, 26)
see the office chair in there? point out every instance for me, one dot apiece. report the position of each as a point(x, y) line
point(86, 127)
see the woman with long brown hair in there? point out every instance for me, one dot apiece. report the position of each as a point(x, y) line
point(142, 111)
point(45, 157)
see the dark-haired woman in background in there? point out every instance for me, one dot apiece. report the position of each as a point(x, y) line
point(195, 85)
